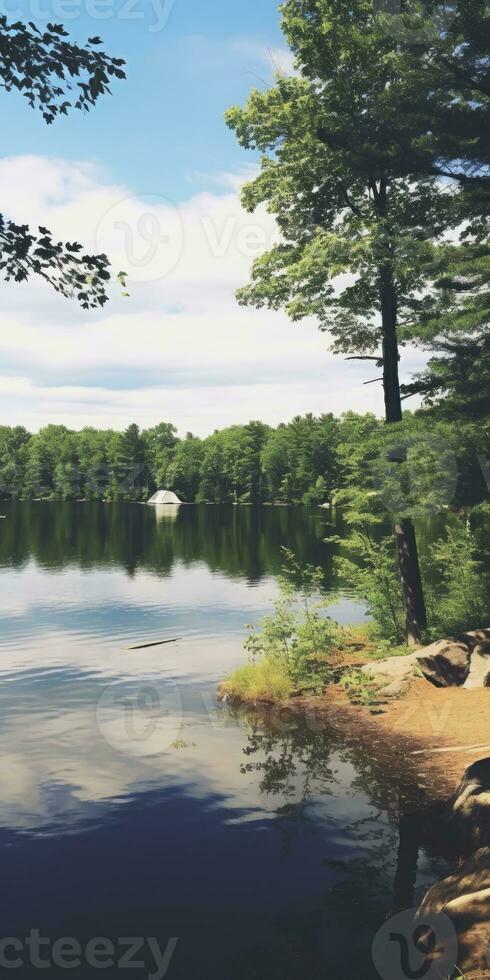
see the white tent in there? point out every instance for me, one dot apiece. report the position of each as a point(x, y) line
point(164, 497)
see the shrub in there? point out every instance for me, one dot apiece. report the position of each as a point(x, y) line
point(291, 648)
point(372, 575)
point(456, 587)
point(459, 598)
point(360, 688)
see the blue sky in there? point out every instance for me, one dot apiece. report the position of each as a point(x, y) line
point(187, 61)
point(152, 176)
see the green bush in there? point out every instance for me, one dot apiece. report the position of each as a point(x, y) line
point(455, 583)
point(457, 597)
point(360, 688)
point(291, 648)
point(371, 572)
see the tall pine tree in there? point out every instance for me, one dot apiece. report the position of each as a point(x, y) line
point(353, 173)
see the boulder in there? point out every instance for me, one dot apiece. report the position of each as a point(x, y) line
point(393, 675)
point(463, 661)
point(470, 810)
point(465, 899)
point(475, 638)
point(446, 663)
point(479, 675)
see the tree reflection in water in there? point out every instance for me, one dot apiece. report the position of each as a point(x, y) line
point(375, 864)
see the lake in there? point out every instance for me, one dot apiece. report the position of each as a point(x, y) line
point(132, 804)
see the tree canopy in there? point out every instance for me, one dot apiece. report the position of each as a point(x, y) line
point(366, 185)
point(309, 460)
point(54, 76)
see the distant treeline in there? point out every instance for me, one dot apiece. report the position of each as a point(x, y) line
point(305, 461)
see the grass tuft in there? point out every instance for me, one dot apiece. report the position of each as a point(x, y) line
point(264, 680)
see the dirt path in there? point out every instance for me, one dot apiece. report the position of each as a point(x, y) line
point(454, 724)
point(437, 733)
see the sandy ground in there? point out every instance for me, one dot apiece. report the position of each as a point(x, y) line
point(434, 734)
point(453, 723)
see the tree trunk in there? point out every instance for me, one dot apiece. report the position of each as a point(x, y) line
point(406, 542)
point(411, 580)
point(391, 357)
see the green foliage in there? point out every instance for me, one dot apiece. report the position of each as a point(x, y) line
point(183, 473)
point(459, 596)
point(39, 64)
point(349, 169)
point(13, 454)
point(131, 475)
point(454, 324)
point(66, 481)
point(299, 460)
point(159, 445)
point(318, 493)
point(346, 461)
point(296, 641)
point(416, 470)
point(360, 688)
point(225, 466)
point(370, 571)
point(266, 680)
point(43, 66)
point(456, 382)
point(353, 147)
point(415, 467)
point(239, 464)
point(456, 582)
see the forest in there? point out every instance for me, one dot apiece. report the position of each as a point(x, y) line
point(310, 460)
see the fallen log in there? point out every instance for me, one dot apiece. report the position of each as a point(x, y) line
point(156, 643)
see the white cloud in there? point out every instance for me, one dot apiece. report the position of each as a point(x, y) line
point(239, 55)
point(274, 59)
point(179, 347)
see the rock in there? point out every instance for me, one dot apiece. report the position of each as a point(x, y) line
point(393, 675)
point(471, 878)
point(479, 675)
point(475, 638)
point(470, 811)
point(446, 663)
point(465, 899)
point(460, 662)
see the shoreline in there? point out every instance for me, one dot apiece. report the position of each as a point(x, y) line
point(431, 703)
point(435, 733)
point(428, 755)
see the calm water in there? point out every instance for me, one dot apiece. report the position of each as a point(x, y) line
point(131, 805)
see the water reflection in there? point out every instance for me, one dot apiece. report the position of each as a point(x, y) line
point(238, 541)
point(130, 803)
point(167, 512)
point(259, 849)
